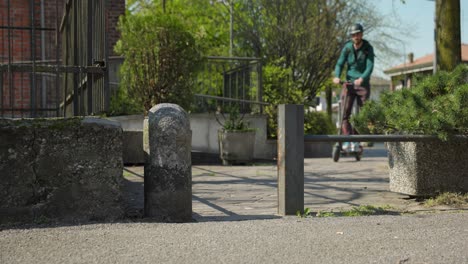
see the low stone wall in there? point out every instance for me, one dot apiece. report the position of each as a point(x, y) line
point(132, 126)
point(65, 170)
point(428, 168)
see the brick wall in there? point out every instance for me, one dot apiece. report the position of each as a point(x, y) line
point(116, 8)
point(17, 94)
point(20, 16)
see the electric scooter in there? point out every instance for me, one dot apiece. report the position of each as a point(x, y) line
point(338, 149)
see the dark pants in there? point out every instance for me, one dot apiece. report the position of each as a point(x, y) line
point(352, 92)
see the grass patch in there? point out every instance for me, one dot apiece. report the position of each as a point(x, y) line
point(326, 214)
point(126, 174)
point(450, 199)
point(365, 210)
point(362, 210)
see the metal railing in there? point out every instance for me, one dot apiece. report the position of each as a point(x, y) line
point(291, 140)
point(84, 39)
point(228, 81)
point(371, 138)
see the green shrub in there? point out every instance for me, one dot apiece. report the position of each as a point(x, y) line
point(122, 104)
point(318, 123)
point(234, 121)
point(161, 60)
point(278, 88)
point(436, 105)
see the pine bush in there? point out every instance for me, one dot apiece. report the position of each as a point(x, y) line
point(436, 105)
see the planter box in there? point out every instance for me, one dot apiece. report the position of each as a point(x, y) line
point(236, 146)
point(428, 168)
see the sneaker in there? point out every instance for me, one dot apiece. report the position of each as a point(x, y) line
point(345, 146)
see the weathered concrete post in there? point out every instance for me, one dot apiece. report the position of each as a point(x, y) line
point(290, 159)
point(168, 174)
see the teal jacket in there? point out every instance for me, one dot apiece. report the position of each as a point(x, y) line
point(360, 63)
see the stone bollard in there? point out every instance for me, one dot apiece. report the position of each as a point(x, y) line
point(168, 174)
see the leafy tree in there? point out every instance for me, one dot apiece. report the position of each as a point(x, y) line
point(300, 39)
point(295, 32)
point(307, 34)
point(206, 20)
point(161, 59)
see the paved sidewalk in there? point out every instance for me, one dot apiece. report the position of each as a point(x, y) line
point(250, 192)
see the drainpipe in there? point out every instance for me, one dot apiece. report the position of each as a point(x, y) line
point(43, 57)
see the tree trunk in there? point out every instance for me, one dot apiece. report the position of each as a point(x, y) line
point(448, 37)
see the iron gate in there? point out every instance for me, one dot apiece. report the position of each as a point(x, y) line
point(53, 58)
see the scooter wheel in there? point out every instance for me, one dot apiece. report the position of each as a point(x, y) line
point(359, 153)
point(336, 153)
point(358, 156)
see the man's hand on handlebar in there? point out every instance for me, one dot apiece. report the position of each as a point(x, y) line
point(358, 81)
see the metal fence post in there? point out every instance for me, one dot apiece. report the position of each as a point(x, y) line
point(290, 159)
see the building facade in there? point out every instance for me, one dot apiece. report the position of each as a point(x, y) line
point(30, 37)
point(403, 74)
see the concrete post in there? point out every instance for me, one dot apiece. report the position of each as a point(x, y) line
point(290, 159)
point(168, 174)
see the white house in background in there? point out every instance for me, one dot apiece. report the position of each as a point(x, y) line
point(401, 75)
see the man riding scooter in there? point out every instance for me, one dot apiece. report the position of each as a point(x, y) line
point(358, 55)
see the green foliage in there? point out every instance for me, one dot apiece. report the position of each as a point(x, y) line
point(325, 214)
point(122, 104)
point(203, 19)
point(294, 32)
point(318, 123)
point(451, 199)
point(436, 105)
point(278, 88)
point(161, 59)
point(306, 213)
point(234, 120)
point(370, 118)
point(364, 210)
point(206, 20)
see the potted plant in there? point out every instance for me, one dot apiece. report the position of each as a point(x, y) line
point(236, 139)
point(436, 105)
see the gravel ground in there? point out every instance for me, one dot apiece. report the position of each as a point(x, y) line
point(418, 238)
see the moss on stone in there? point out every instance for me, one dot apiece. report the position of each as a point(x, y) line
point(50, 123)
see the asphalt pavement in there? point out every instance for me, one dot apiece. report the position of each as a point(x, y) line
point(236, 221)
